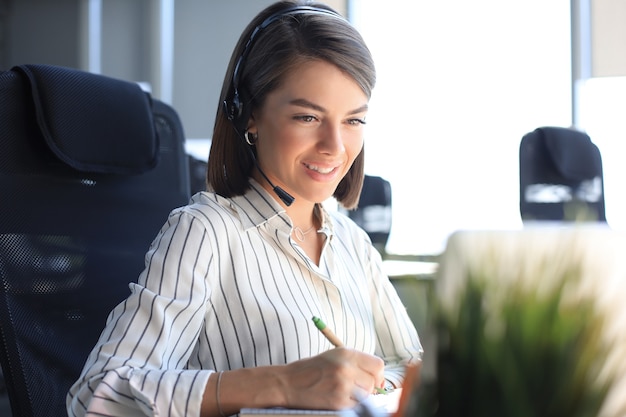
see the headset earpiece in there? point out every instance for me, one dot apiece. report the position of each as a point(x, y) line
point(233, 108)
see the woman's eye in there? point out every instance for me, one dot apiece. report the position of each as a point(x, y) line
point(356, 122)
point(306, 118)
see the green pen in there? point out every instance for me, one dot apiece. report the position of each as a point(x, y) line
point(383, 391)
point(332, 338)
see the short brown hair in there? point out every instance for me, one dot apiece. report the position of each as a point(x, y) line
point(277, 49)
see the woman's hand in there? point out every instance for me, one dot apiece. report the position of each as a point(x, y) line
point(335, 379)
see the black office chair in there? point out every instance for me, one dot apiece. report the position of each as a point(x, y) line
point(90, 167)
point(197, 174)
point(373, 212)
point(561, 176)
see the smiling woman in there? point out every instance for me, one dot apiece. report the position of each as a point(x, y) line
point(258, 250)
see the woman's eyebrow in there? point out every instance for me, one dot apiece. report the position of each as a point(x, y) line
point(301, 102)
point(361, 109)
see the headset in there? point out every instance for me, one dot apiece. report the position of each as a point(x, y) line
point(234, 109)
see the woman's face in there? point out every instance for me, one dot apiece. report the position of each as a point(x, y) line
point(310, 130)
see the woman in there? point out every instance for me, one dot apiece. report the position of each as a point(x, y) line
point(220, 319)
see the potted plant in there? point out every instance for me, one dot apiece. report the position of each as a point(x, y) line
point(530, 323)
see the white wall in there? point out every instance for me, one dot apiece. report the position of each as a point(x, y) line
point(205, 34)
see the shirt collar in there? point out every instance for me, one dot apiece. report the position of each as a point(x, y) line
point(257, 206)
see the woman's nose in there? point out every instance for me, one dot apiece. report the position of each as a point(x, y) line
point(331, 140)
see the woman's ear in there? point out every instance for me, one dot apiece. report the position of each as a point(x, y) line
point(251, 127)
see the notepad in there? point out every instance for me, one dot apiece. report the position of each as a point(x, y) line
point(285, 412)
point(393, 404)
point(381, 405)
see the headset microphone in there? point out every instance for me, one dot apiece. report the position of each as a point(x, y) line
point(282, 194)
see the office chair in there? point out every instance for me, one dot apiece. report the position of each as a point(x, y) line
point(197, 174)
point(373, 212)
point(90, 167)
point(561, 176)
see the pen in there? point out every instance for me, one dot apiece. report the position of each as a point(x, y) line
point(332, 338)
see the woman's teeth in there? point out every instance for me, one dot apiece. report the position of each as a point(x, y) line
point(320, 170)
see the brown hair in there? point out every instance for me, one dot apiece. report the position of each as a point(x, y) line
point(277, 49)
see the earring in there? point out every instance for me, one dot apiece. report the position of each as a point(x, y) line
point(250, 138)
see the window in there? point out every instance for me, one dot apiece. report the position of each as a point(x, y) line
point(459, 84)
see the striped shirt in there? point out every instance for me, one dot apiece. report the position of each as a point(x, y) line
point(225, 287)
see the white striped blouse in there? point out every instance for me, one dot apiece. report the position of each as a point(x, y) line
point(226, 287)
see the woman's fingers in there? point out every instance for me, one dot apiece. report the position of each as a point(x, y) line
point(336, 379)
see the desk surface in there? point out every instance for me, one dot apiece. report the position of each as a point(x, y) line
point(417, 269)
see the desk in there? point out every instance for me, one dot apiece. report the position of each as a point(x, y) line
point(415, 269)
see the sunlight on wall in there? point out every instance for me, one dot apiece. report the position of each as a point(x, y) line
point(459, 84)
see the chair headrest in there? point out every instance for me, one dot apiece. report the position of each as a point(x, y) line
point(91, 122)
point(574, 154)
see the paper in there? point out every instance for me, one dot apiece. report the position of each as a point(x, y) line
point(382, 405)
point(387, 403)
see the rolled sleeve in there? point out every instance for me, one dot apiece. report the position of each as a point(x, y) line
point(139, 365)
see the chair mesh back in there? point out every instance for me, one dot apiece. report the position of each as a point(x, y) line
point(71, 240)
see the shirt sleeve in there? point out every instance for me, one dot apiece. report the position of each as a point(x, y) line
point(398, 340)
point(138, 366)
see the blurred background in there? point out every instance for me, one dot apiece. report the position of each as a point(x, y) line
point(459, 84)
